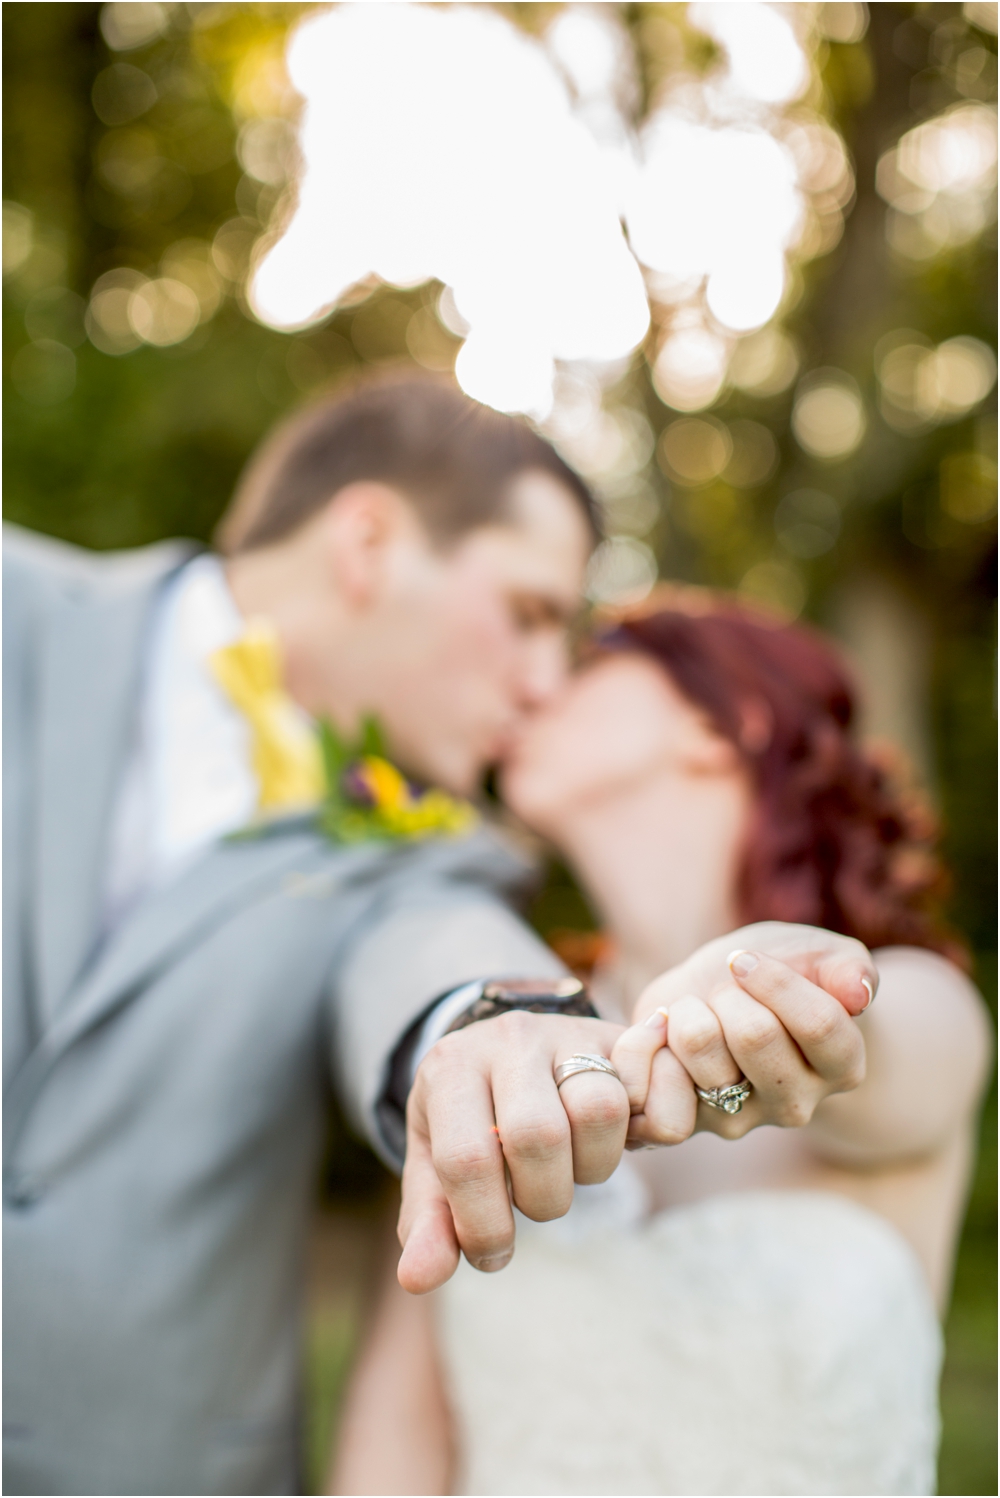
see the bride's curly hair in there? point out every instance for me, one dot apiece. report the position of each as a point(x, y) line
point(837, 838)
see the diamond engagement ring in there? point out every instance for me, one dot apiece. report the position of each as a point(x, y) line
point(726, 1099)
point(584, 1062)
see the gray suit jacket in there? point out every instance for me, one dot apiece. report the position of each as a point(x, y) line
point(163, 1091)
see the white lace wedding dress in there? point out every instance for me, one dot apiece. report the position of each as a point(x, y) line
point(758, 1343)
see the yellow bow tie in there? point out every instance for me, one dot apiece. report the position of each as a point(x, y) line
point(286, 755)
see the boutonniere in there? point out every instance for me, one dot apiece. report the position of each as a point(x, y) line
point(367, 798)
point(352, 792)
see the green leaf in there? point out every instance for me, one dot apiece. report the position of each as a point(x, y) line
point(336, 758)
point(372, 738)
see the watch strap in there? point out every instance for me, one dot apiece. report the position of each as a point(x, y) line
point(534, 995)
point(484, 999)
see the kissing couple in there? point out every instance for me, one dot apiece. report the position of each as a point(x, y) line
point(245, 866)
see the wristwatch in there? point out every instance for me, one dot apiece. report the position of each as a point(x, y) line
point(475, 1001)
point(536, 995)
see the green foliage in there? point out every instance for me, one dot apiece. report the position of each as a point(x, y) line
point(368, 799)
point(968, 1462)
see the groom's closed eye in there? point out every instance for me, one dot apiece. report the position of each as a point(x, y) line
point(533, 612)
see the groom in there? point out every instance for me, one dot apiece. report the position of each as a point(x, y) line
point(191, 955)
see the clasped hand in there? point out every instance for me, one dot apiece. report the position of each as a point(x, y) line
point(487, 1127)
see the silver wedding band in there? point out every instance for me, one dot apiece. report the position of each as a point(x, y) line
point(726, 1099)
point(584, 1062)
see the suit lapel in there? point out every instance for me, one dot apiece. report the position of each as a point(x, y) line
point(228, 878)
point(89, 678)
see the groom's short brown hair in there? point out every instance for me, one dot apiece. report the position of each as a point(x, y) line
point(455, 459)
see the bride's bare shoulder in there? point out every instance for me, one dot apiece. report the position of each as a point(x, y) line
point(939, 992)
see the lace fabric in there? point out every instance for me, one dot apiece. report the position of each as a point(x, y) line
point(759, 1343)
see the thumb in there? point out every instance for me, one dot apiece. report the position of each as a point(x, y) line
point(633, 1054)
point(426, 1229)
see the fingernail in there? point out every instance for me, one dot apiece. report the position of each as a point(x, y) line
point(658, 1017)
point(741, 963)
point(866, 984)
point(493, 1262)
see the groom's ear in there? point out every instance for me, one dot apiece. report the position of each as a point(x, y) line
point(358, 530)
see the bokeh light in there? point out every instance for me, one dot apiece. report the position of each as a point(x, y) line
point(621, 571)
point(940, 181)
point(690, 368)
point(738, 179)
point(718, 205)
point(842, 21)
point(127, 26)
point(402, 177)
point(828, 417)
point(695, 450)
point(921, 386)
point(18, 236)
point(399, 132)
point(108, 324)
point(765, 60)
point(982, 13)
point(163, 311)
point(764, 364)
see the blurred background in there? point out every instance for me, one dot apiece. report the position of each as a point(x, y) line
point(737, 260)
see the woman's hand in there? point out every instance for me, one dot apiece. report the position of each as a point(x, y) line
point(661, 1095)
point(791, 1039)
point(838, 964)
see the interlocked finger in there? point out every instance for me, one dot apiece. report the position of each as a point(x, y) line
point(671, 1108)
point(634, 1053)
point(698, 1041)
point(786, 1089)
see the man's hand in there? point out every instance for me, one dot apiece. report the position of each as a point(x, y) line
point(778, 1024)
point(484, 1110)
point(486, 1125)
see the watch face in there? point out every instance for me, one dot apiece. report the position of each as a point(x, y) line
point(534, 988)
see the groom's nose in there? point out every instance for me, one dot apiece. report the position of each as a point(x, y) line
point(544, 668)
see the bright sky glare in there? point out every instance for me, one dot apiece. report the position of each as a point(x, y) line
point(766, 62)
point(416, 167)
point(721, 203)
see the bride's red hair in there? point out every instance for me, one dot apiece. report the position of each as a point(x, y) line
point(836, 840)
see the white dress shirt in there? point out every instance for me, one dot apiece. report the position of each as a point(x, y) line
point(189, 779)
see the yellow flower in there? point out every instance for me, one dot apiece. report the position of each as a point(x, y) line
point(386, 786)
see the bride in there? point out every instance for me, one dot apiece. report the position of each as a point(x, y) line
point(750, 1310)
